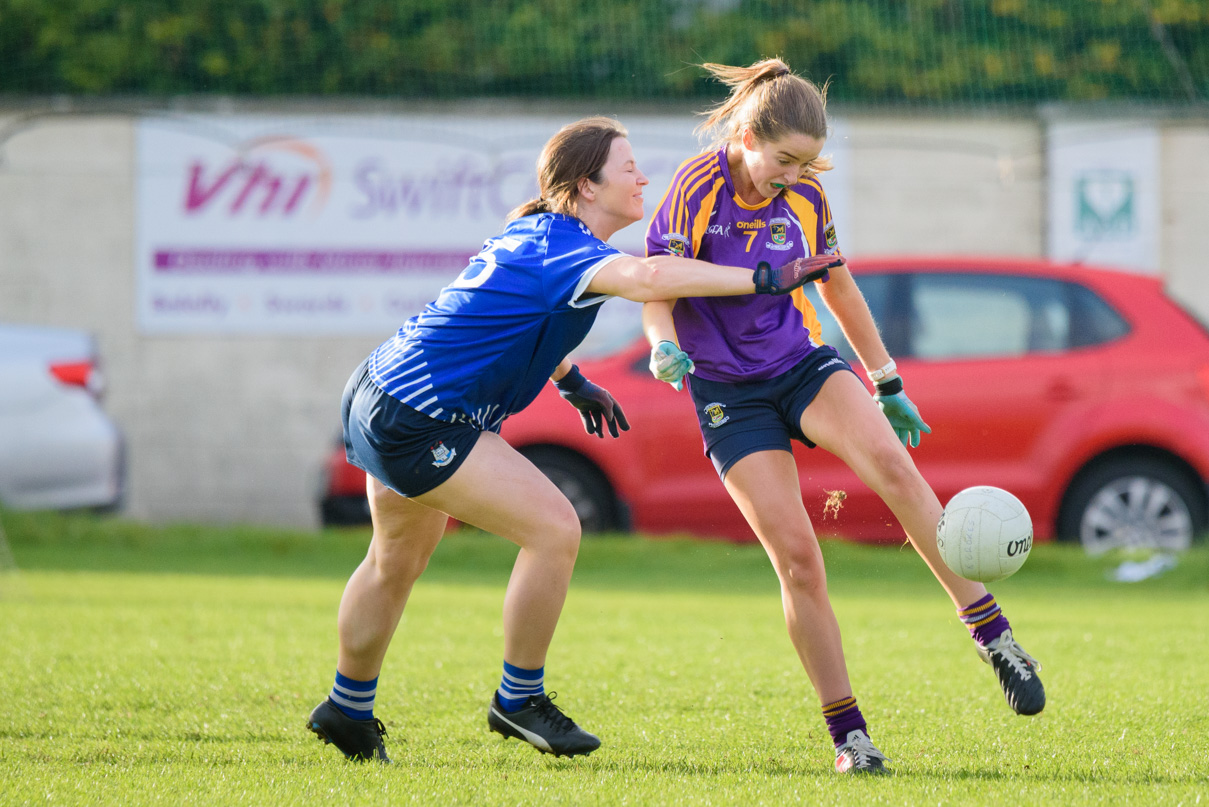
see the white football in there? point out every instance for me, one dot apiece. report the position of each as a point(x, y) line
point(984, 534)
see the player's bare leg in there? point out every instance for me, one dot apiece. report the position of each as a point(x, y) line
point(405, 533)
point(501, 492)
point(764, 485)
point(845, 420)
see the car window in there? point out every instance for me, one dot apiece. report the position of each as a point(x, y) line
point(958, 316)
point(954, 316)
point(1094, 321)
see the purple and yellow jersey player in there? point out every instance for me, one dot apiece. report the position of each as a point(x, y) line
point(702, 216)
point(762, 377)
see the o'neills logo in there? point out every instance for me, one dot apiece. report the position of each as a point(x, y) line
point(268, 176)
point(1020, 546)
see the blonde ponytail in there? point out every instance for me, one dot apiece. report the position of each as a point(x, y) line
point(772, 101)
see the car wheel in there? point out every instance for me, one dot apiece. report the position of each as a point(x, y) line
point(582, 483)
point(1134, 503)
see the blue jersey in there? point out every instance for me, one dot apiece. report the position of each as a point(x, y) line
point(489, 342)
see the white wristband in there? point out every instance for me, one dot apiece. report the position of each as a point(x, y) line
point(880, 373)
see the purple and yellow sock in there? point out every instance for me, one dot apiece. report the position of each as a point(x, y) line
point(984, 620)
point(843, 716)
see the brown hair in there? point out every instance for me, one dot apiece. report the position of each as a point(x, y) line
point(772, 101)
point(577, 150)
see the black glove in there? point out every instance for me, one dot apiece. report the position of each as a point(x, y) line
point(594, 404)
point(785, 279)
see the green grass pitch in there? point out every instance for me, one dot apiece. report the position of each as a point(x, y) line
point(143, 665)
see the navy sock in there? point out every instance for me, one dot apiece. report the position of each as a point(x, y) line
point(842, 717)
point(984, 620)
point(518, 685)
point(354, 698)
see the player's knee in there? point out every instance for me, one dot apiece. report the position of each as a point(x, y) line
point(900, 480)
point(398, 570)
point(560, 532)
point(801, 570)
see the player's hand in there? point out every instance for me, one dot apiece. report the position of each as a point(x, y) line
point(903, 416)
point(596, 406)
point(669, 363)
point(785, 279)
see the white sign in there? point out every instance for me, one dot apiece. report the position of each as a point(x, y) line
point(343, 224)
point(1104, 194)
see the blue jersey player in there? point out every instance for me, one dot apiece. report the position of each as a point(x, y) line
point(422, 416)
point(762, 376)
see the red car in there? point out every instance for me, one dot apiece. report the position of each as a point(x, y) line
point(1083, 391)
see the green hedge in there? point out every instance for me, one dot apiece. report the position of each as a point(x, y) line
point(877, 51)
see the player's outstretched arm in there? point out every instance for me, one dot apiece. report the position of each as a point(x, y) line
point(665, 277)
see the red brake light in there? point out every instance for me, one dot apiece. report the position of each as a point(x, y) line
point(78, 374)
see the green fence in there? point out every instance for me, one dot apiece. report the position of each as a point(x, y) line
point(908, 52)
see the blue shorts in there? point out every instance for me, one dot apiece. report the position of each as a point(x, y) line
point(741, 418)
point(408, 451)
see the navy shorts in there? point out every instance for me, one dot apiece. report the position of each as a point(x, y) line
point(741, 418)
point(408, 451)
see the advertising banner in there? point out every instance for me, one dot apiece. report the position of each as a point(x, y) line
point(341, 224)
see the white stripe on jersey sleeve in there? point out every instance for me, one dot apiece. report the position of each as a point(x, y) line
point(586, 278)
point(394, 388)
point(424, 388)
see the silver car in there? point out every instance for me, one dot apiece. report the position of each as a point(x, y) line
point(58, 448)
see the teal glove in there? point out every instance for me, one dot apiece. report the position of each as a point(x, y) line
point(903, 415)
point(671, 364)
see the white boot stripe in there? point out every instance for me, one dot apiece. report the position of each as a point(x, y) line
point(534, 739)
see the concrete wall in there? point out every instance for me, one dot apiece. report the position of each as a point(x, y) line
point(213, 437)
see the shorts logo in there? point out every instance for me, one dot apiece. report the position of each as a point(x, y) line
point(777, 228)
point(829, 235)
point(716, 416)
point(828, 363)
point(441, 455)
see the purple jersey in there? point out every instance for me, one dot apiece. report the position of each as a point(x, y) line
point(754, 336)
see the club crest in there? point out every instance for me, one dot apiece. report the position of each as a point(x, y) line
point(716, 414)
point(441, 455)
point(778, 228)
point(829, 235)
point(778, 235)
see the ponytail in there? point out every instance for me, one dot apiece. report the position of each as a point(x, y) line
point(769, 99)
point(530, 207)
